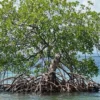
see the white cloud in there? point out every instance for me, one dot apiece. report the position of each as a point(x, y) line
point(85, 2)
point(96, 3)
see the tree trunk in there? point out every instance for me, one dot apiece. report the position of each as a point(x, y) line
point(53, 66)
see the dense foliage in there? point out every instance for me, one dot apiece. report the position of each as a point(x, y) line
point(34, 29)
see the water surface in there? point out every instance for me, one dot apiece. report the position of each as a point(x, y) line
point(62, 96)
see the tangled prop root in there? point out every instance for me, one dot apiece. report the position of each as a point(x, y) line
point(44, 84)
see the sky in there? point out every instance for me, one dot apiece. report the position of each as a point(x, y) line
point(96, 5)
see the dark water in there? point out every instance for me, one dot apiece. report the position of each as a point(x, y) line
point(62, 96)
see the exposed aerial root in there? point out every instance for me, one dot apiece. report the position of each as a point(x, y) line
point(43, 84)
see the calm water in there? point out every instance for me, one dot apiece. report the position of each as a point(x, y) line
point(62, 96)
